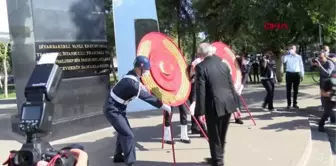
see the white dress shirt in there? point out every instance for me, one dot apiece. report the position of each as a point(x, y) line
point(294, 63)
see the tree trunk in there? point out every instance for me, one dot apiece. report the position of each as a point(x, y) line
point(279, 66)
point(4, 61)
point(115, 79)
point(178, 9)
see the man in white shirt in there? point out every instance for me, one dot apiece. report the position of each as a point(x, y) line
point(294, 74)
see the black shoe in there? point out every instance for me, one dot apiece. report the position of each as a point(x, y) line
point(118, 158)
point(288, 107)
point(208, 160)
point(239, 121)
point(186, 141)
point(195, 131)
point(169, 142)
point(321, 129)
point(296, 107)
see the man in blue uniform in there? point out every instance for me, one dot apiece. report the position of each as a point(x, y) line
point(128, 88)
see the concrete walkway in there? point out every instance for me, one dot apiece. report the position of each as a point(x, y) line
point(281, 138)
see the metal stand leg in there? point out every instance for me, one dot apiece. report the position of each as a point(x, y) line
point(199, 125)
point(171, 134)
point(247, 110)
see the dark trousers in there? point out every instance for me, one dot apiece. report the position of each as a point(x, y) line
point(183, 115)
point(217, 129)
point(329, 107)
point(292, 80)
point(255, 77)
point(125, 140)
point(269, 87)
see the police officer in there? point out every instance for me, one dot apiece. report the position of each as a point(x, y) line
point(328, 93)
point(128, 88)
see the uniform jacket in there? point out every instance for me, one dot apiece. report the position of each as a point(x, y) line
point(215, 93)
point(128, 88)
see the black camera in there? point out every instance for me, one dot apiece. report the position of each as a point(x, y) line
point(315, 60)
point(36, 119)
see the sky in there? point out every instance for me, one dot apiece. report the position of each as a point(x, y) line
point(4, 28)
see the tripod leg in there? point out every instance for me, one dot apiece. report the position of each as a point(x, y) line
point(171, 135)
point(247, 110)
point(198, 124)
point(163, 125)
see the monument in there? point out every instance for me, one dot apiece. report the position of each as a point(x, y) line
point(76, 29)
point(4, 28)
point(129, 28)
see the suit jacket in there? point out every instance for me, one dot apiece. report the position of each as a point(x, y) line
point(265, 71)
point(215, 92)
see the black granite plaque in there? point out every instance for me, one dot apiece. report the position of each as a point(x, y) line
point(78, 59)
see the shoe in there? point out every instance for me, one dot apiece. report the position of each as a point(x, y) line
point(288, 107)
point(168, 142)
point(296, 107)
point(239, 121)
point(321, 129)
point(195, 131)
point(272, 109)
point(118, 158)
point(186, 141)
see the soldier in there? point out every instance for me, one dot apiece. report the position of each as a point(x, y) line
point(183, 122)
point(328, 93)
point(183, 113)
point(128, 88)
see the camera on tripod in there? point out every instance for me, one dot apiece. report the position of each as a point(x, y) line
point(37, 114)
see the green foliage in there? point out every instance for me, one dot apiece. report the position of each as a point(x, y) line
point(4, 54)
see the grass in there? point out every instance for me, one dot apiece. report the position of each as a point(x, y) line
point(11, 92)
point(308, 79)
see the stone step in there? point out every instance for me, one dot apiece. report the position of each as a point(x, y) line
point(321, 153)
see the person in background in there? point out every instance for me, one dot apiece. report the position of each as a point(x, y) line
point(267, 80)
point(329, 98)
point(294, 74)
point(245, 67)
point(192, 97)
point(255, 70)
point(326, 67)
point(330, 56)
point(215, 100)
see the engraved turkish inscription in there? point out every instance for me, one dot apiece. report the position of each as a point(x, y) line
point(78, 59)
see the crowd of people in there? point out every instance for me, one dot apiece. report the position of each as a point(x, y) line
point(213, 99)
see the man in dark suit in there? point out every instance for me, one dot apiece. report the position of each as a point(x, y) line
point(215, 99)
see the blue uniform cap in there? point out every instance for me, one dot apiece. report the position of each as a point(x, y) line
point(142, 61)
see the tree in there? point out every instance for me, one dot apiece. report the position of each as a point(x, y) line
point(4, 65)
point(110, 34)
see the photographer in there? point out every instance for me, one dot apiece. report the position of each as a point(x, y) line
point(267, 80)
point(81, 158)
point(325, 66)
point(328, 95)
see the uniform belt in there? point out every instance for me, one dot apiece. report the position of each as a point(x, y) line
point(118, 99)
